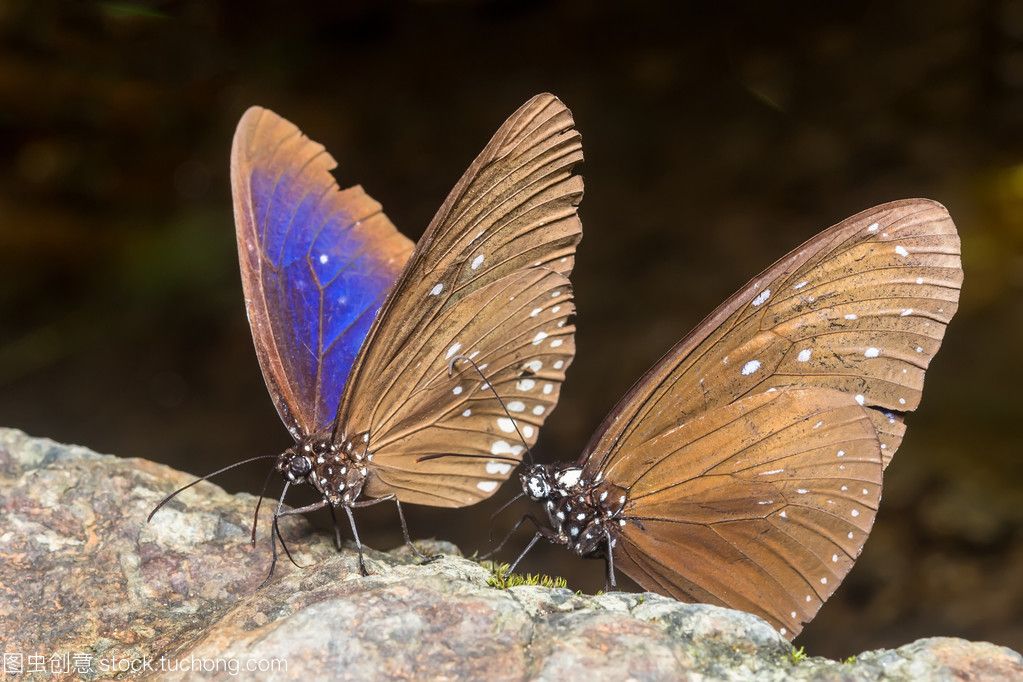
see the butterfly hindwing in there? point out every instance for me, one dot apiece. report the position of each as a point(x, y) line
point(861, 308)
point(763, 504)
point(317, 262)
point(523, 345)
point(488, 282)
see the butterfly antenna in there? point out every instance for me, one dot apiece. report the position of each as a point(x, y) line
point(506, 505)
point(200, 480)
point(500, 400)
point(262, 493)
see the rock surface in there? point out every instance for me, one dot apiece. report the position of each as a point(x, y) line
point(89, 589)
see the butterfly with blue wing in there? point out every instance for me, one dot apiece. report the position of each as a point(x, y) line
point(413, 374)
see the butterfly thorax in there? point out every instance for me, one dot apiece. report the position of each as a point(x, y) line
point(335, 467)
point(585, 514)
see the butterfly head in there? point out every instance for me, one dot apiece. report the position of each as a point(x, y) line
point(295, 465)
point(536, 482)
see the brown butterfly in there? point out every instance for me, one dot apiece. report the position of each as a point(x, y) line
point(388, 364)
point(744, 469)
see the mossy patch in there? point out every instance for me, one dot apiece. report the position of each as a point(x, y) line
point(502, 579)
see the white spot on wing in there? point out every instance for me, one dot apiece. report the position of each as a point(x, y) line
point(324, 258)
point(477, 262)
point(860, 399)
point(501, 447)
point(437, 288)
point(454, 349)
point(750, 367)
point(487, 486)
point(901, 250)
point(761, 297)
point(516, 406)
point(505, 425)
point(872, 352)
point(500, 468)
point(540, 336)
point(804, 355)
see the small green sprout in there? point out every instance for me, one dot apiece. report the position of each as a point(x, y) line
point(797, 656)
point(851, 660)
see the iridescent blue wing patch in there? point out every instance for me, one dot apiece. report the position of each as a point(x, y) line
point(317, 263)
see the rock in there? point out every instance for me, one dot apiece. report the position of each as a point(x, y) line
point(92, 588)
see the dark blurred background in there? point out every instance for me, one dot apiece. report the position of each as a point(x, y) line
point(716, 139)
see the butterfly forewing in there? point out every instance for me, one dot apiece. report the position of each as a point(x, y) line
point(486, 282)
point(762, 504)
point(317, 263)
point(860, 308)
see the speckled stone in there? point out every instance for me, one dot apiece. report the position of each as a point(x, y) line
point(81, 572)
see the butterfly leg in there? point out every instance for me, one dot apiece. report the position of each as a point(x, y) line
point(337, 528)
point(518, 524)
point(358, 542)
point(273, 558)
point(536, 539)
point(275, 534)
point(408, 539)
point(401, 517)
point(609, 560)
point(541, 532)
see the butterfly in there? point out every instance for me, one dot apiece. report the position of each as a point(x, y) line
point(745, 468)
point(391, 364)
